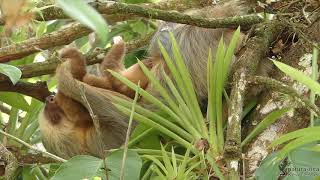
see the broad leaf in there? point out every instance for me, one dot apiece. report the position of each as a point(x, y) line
point(303, 164)
point(132, 167)
point(269, 168)
point(12, 72)
point(80, 167)
point(86, 15)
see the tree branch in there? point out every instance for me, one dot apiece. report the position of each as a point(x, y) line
point(37, 90)
point(33, 158)
point(57, 38)
point(53, 12)
point(32, 148)
point(255, 50)
point(111, 7)
point(11, 163)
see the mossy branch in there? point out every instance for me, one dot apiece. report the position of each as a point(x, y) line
point(111, 7)
point(255, 50)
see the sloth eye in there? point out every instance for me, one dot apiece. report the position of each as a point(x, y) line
point(50, 99)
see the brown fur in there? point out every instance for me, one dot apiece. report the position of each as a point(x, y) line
point(66, 124)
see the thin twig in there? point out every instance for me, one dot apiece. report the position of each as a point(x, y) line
point(33, 148)
point(283, 88)
point(96, 124)
point(125, 151)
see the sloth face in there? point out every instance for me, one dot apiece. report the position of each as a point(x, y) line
point(52, 111)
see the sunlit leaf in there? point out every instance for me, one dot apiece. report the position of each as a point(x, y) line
point(132, 166)
point(12, 72)
point(296, 134)
point(80, 167)
point(86, 15)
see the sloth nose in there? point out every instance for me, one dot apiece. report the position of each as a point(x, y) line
point(50, 99)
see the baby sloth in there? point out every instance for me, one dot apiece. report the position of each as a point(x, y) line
point(66, 125)
point(112, 61)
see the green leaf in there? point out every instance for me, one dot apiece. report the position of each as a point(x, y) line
point(13, 119)
point(266, 122)
point(142, 119)
point(145, 137)
point(29, 118)
point(230, 53)
point(12, 72)
point(298, 143)
point(86, 15)
point(269, 168)
point(132, 167)
point(80, 167)
point(26, 173)
point(301, 159)
point(167, 162)
point(15, 100)
point(299, 76)
point(295, 134)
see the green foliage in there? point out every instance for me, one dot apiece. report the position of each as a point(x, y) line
point(169, 167)
point(296, 139)
point(300, 163)
point(14, 100)
point(87, 15)
point(132, 166)
point(314, 76)
point(81, 167)
point(269, 168)
point(300, 137)
point(12, 72)
point(179, 116)
point(299, 76)
point(217, 76)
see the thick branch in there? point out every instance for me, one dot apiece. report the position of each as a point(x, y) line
point(37, 90)
point(57, 38)
point(255, 50)
point(33, 158)
point(149, 11)
point(111, 7)
point(73, 31)
point(54, 12)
